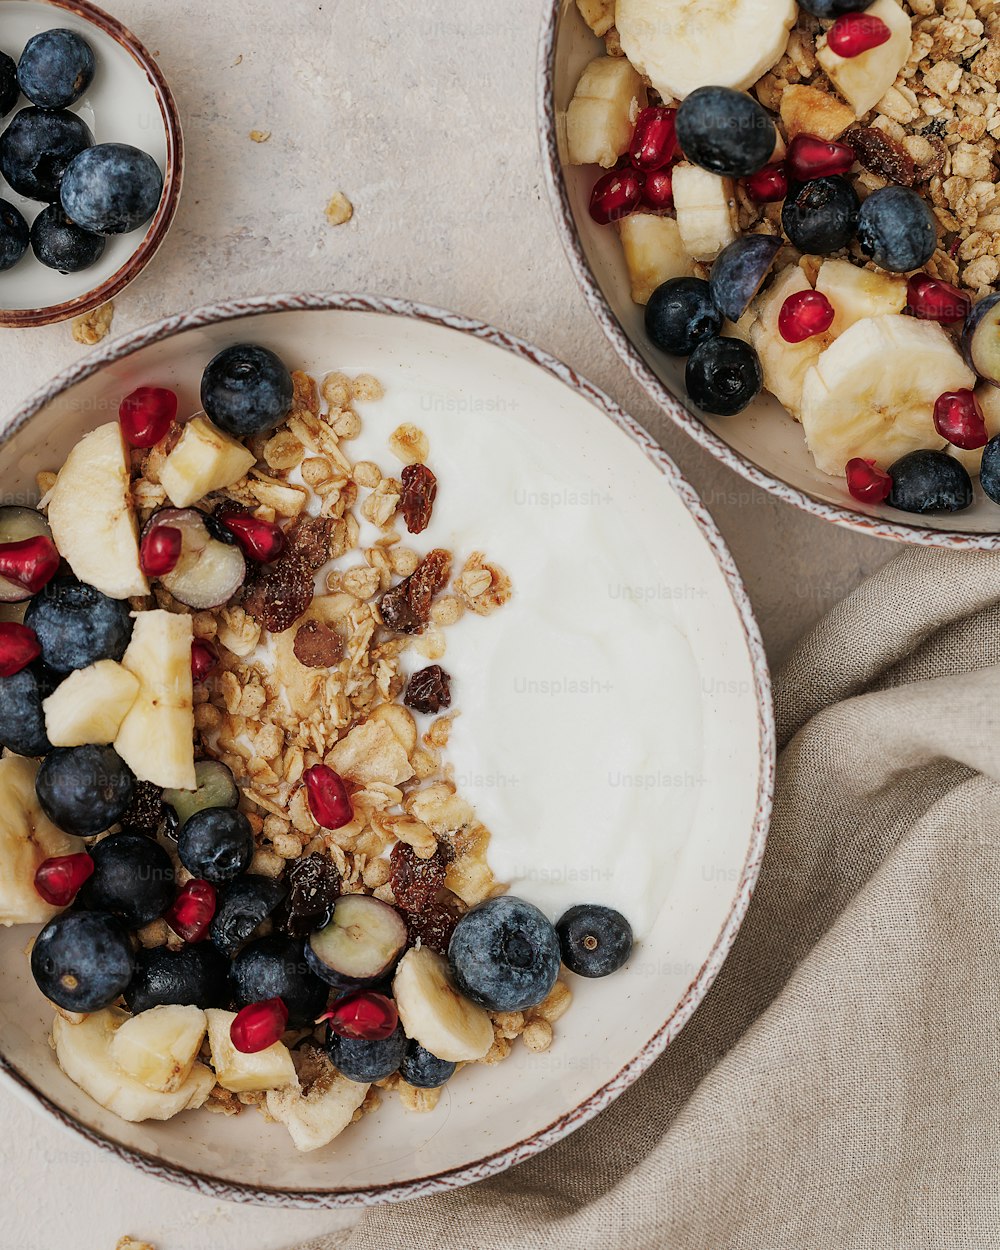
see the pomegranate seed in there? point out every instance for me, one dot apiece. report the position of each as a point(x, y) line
point(258, 1026)
point(854, 33)
point(768, 185)
point(191, 912)
point(329, 801)
point(147, 414)
point(160, 550)
point(930, 299)
point(866, 481)
point(203, 659)
point(804, 315)
point(658, 191)
point(262, 541)
point(58, 880)
point(809, 158)
point(654, 140)
point(363, 1014)
point(959, 418)
point(615, 195)
point(18, 647)
point(32, 562)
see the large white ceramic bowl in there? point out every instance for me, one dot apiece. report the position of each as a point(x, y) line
point(764, 443)
point(435, 365)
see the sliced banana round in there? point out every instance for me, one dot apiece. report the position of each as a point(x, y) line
point(434, 1013)
point(683, 44)
point(872, 392)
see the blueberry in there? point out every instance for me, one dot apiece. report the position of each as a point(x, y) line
point(13, 235)
point(82, 961)
point(133, 878)
point(243, 906)
point(246, 390)
point(111, 188)
point(830, 10)
point(929, 481)
point(897, 229)
point(84, 790)
point(78, 625)
point(723, 375)
point(22, 720)
point(9, 89)
point(194, 976)
point(680, 313)
point(422, 1069)
point(725, 131)
point(989, 471)
point(739, 272)
point(361, 1060)
point(821, 216)
point(61, 244)
point(36, 149)
point(595, 941)
point(56, 68)
point(504, 954)
point(216, 844)
point(275, 967)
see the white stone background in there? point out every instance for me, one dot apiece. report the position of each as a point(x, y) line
point(424, 115)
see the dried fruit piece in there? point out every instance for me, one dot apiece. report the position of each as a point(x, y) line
point(429, 690)
point(434, 925)
point(318, 646)
point(313, 888)
point(406, 607)
point(417, 500)
point(279, 597)
point(310, 538)
point(882, 155)
point(415, 882)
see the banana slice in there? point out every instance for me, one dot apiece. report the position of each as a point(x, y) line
point(783, 364)
point(856, 293)
point(434, 1013)
point(989, 400)
point(603, 110)
point(705, 208)
point(863, 80)
point(598, 14)
point(205, 459)
point(271, 1068)
point(90, 705)
point(683, 44)
point(158, 1047)
point(653, 252)
point(320, 1111)
point(872, 392)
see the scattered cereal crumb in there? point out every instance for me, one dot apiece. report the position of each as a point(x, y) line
point(339, 210)
point(260, 136)
point(90, 327)
point(537, 1035)
point(130, 1243)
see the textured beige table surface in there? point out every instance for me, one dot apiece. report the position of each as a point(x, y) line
point(428, 124)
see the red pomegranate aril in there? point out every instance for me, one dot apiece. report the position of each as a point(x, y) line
point(258, 1026)
point(654, 140)
point(854, 33)
point(262, 541)
point(867, 482)
point(615, 195)
point(32, 562)
point(809, 157)
point(804, 315)
point(147, 414)
point(19, 645)
point(161, 550)
point(363, 1014)
point(930, 299)
point(959, 418)
point(329, 800)
point(658, 191)
point(192, 911)
point(58, 880)
point(768, 185)
point(203, 659)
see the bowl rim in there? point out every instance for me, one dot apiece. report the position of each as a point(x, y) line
point(497, 1161)
point(692, 425)
point(173, 177)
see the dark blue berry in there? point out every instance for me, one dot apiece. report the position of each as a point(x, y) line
point(723, 375)
point(504, 954)
point(82, 961)
point(275, 967)
point(56, 68)
point(739, 272)
point(897, 229)
point(22, 720)
point(111, 188)
point(216, 844)
point(61, 244)
point(133, 878)
point(84, 790)
point(37, 148)
point(422, 1069)
point(9, 89)
point(194, 976)
point(243, 907)
point(680, 314)
point(13, 235)
point(595, 941)
point(929, 481)
point(989, 471)
point(830, 10)
point(821, 216)
point(725, 131)
point(246, 390)
point(361, 1060)
point(981, 338)
point(78, 625)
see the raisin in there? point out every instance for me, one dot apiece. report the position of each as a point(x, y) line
point(406, 607)
point(313, 888)
point(310, 540)
point(417, 500)
point(882, 155)
point(434, 926)
point(429, 690)
point(415, 882)
point(318, 646)
point(280, 594)
point(146, 813)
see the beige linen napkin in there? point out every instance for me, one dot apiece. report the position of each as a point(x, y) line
point(840, 1085)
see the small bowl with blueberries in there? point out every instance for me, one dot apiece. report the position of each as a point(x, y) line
point(91, 158)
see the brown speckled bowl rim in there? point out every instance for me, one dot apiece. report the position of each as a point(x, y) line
point(173, 176)
point(497, 1161)
point(867, 522)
